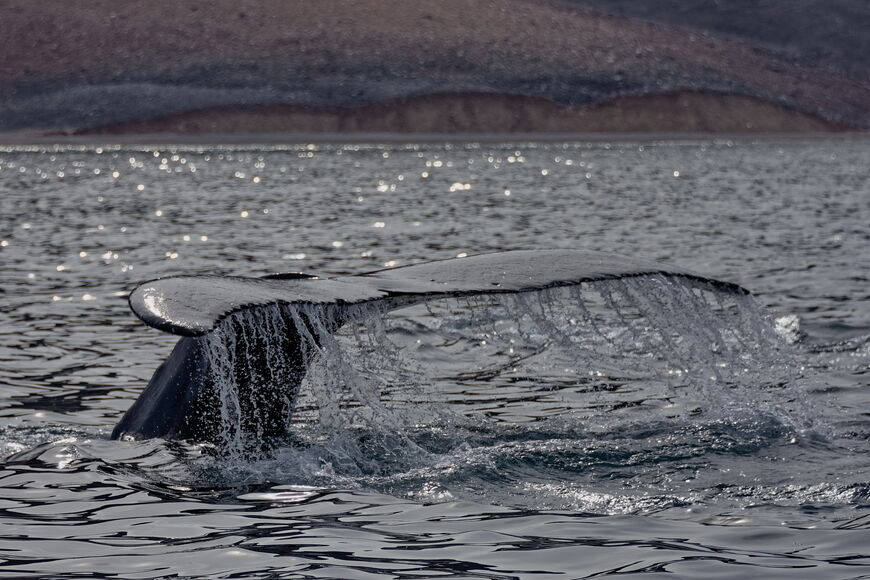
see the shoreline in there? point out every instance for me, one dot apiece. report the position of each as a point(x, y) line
point(301, 139)
point(461, 117)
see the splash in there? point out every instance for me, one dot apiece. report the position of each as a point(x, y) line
point(649, 344)
point(366, 389)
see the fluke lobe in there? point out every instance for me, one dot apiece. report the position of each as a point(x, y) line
point(191, 397)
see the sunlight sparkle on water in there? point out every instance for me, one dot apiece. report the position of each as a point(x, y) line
point(637, 454)
point(282, 494)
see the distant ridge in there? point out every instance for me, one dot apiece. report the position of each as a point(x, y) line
point(104, 64)
point(683, 112)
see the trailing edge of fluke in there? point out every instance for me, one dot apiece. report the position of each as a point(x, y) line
point(193, 305)
point(185, 397)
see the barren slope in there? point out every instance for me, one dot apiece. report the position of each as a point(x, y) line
point(482, 113)
point(76, 65)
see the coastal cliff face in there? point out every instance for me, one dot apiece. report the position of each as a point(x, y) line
point(491, 114)
point(411, 66)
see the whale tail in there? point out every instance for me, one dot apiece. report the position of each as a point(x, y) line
point(247, 342)
point(237, 382)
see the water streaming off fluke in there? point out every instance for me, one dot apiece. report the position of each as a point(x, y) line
point(594, 353)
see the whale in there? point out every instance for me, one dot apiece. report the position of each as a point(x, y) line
point(185, 398)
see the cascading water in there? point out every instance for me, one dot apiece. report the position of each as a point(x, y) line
point(469, 389)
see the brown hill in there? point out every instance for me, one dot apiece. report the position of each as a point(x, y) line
point(493, 114)
point(99, 62)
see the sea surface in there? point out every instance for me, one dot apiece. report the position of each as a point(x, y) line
point(651, 428)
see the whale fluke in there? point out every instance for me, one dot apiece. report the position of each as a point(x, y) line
point(193, 305)
point(263, 350)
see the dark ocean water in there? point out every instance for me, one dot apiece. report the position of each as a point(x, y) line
point(472, 438)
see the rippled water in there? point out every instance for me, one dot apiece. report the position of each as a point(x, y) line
point(478, 442)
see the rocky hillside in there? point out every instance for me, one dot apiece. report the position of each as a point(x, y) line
point(489, 114)
point(569, 64)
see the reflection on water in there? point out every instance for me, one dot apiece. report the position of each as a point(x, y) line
point(455, 455)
